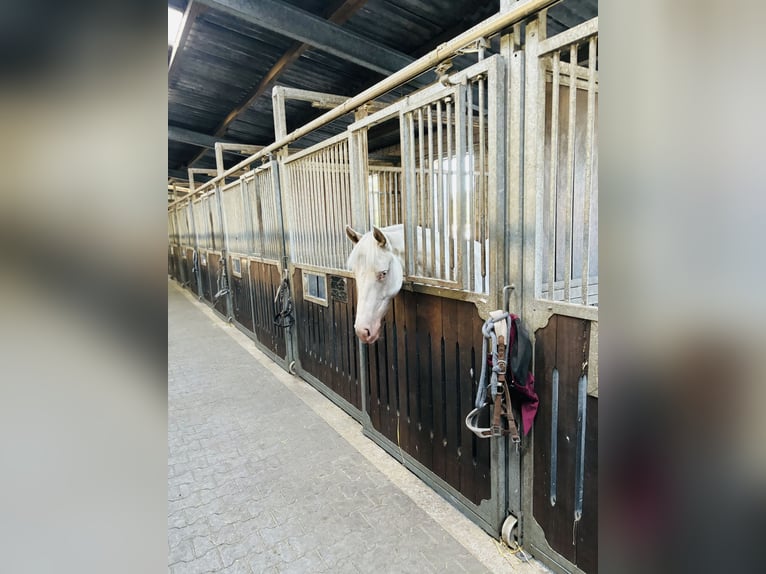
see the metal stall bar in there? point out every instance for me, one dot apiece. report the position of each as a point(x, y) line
point(569, 189)
point(429, 171)
point(463, 274)
point(451, 228)
point(441, 222)
point(482, 187)
point(553, 176)
point(470, 190)
point(589, 129)
point(484, 29)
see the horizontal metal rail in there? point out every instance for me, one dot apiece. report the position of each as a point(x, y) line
point(488, 27)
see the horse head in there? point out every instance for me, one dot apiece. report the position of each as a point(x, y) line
point(376, 262)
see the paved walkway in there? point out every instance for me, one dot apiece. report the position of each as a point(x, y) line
point(267, 476)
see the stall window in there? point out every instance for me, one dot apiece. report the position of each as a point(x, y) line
point(315, 287)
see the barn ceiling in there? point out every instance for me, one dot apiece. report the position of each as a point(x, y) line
point(231, 53)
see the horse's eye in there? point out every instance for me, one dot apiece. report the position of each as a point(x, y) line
point(382, 275)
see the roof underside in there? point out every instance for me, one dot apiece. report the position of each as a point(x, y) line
point(221, 75)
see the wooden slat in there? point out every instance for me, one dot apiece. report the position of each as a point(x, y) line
point(468, 478)
point(455, 414)
point(424, 377)
point(587, 529)
point(403, 437)
point(562, 344)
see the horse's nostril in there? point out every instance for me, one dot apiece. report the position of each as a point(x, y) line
point(367, 331)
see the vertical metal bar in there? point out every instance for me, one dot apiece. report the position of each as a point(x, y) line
point(398, 193)
point(439, 173)
point(582, 396)
point(344, 191)
point(568, 223)
point(589, 129)
point(497, 184)
point(431, 191)
point(315, 215)
point(389, 179)
point(554, 436)
point(533, 182)
point(271, 229)
point(337, 230)
point(451, 194)
point(422, 209)
point(553, 174)
point(470, 200)
point(334, 227)
point(355, 158)
point(302, 210)
point(409, 211)
point(324, 174)
point(482, 195)
point(463, 276)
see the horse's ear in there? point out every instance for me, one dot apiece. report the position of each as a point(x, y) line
point(379, 236)
point(353, 235)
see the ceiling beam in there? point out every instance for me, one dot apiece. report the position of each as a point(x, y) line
point(179, 174)
point(190, 137)
point(336, 14)
point(288, 20)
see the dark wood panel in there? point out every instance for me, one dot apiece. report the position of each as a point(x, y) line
point(205, 279)
point(214, 268)
point(422, 379)
point(264, 283)
point(172, 263)
point(587, 530)
point(563, 345)
point(327, 342)
point(241, 297)
point(191, 276)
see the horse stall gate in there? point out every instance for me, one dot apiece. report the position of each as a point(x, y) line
point(492, 173)
point(423, 372)
point(319, 200)
point(560, 293)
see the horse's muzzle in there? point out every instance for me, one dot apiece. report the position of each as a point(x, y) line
point(366, 336)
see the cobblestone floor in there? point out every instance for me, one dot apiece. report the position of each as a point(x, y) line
point(258, 482)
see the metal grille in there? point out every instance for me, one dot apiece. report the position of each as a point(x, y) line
point(318, 187)
point(172, 235)
point(182, 218)
point(385, 188)
point(238, 236)
point(202, 222)
point(261, 200)
point(569, 251)
point(216, 229)
point(445, 156)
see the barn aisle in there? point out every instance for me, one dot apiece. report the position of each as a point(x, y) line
point(266, 475)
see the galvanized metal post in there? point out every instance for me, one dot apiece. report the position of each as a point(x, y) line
point(533, 114)
point(285, 263)
point(224, 252)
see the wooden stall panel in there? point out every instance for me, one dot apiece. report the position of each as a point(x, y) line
point(191, 274)
point(240, 297)
point(205, 278)
point(214, 268)
point(264, 281)
point(327, 344)
point(424, 373)
point(563, 345)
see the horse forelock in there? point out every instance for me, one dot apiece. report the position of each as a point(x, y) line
point(367, 255)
